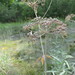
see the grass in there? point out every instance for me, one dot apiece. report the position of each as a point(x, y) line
point(18, 57)
point(10, 60)
point(9, 51)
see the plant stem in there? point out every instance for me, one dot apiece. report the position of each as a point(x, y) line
point(43, 51)
point(48, 8)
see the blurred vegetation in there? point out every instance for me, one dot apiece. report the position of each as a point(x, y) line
point(59, 8)
point(14, 10)
point(19, 55)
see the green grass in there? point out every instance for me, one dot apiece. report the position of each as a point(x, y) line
point(9, 29)
point(11, 51)
point(15, 55)
point(9, 62)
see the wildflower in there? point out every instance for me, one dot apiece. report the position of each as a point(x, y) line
point(42, 59)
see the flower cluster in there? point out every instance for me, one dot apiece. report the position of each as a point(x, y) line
point(69, 17)
point(34, 4)
point(47, 25)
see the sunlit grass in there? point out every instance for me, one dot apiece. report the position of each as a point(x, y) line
point(8, 59)
point(7, 50)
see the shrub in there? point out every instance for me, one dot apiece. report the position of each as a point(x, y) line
point(6, 14)
point(7, 2)
point(16, 12)
point(23, 11)
point(59, 8)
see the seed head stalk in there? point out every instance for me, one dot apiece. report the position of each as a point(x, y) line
point(43, 51)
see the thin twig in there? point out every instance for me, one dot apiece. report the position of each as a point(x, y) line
point(48, 8)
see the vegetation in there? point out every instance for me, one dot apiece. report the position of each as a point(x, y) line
point(26, 51)
point(23, 12)
point(40, 46)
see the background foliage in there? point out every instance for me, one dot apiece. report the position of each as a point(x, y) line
point(14, 10)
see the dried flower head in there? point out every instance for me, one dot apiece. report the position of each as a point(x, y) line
point(51, 24)
point(69, 17)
